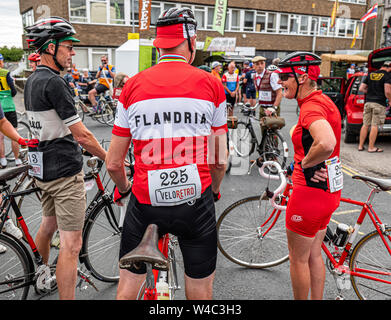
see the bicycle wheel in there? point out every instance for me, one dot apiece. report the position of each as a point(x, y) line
point(101, 241)
point(243, 236)
point(370, 257)
point(108, 115)
point(274, 148)
point(242, 140)
point(79, 109)
point(25, 132)
point(100, 109)
point(15, 270)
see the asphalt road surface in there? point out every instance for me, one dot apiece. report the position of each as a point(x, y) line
point(233, 282)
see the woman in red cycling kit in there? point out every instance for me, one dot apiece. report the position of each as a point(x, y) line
point(317, 177)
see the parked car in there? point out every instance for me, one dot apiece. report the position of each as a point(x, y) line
point(354, 99)
point(334, 88)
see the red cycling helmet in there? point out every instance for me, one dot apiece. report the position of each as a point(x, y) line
point(300, 62)
point(34, 57)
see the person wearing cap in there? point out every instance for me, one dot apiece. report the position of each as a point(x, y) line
point(170, 112)
point(57, 162)
point(317, 177)
point(350, 71)
point(377, 87)
point(105, 76)
point(7, 92)
point(216, 69)
point(34, 60)
point(267, 87)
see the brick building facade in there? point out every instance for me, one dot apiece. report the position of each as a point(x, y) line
point(272, 28)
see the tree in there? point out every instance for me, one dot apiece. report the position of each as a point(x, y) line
point(12, 54)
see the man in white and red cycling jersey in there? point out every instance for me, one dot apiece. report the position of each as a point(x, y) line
point(175, 114)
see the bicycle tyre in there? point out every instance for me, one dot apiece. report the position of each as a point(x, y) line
point(100, 108)
point(239, 234)
point(101, 242)
point(25, 132)
point(79, 110)
point(242, 140)
point(367, 253)
point(109, 115)
point(274, 148)
point(14, 264)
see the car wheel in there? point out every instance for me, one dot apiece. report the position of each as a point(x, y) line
point(350, 136)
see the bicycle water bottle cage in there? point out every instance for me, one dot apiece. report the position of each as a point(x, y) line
point(146, 251)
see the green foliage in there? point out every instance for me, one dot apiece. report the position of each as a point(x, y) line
point(11, 54)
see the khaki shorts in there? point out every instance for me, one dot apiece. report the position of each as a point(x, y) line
point(65, 198)
point(374, 114)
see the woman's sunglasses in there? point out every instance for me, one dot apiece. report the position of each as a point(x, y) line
point(285, 76)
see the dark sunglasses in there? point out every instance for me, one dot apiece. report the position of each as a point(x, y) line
point(103, 61)
point(285, 76)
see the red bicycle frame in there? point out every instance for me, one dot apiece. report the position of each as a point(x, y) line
point(151, 294)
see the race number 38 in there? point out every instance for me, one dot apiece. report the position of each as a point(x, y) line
point(173, 186)
point(35, 161)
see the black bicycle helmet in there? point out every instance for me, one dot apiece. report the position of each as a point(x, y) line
point(46, 30)
point(174, 16)
point(300, 62)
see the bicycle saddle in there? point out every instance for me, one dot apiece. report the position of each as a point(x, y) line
point(146, 251)
point(10, 173)
point(384, 184)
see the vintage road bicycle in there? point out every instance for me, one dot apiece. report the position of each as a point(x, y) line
point(21, 264)
point(251, 233)
point(272, 146)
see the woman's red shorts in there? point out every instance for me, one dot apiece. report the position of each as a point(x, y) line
point(309, 210)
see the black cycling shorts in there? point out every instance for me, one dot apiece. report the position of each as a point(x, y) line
point(101, 88)
point(12, 117)
point(194, 225)
point(230, 99)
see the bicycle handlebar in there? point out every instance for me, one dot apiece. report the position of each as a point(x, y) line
point(281, 176)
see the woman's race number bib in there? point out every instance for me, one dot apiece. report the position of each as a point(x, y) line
point(335, 175)
point(35, 160)
point(173, 186)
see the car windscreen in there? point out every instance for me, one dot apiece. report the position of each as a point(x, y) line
point(330, 85)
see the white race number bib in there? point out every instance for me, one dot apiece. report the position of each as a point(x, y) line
point(173, 186)
point(334, 171)
point(265, 96)
point(35, 160)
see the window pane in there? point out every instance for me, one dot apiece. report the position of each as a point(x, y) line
point(117, 12)
point(284, 23)
point(304, 25)
point(210, 17)
point(78, 10)
point(235, 20)
point(199, 14)
point(350, 29)
point(98, 12)
point(294, 24)
point(271, 22)
point(80, 58)
point(28, 18)
point(168, 6)
point(314, 25)
point(135, 10)
point(341, 26)
point(260, 23)
point(155, 13)
point(324, 25)
point(249, 20)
